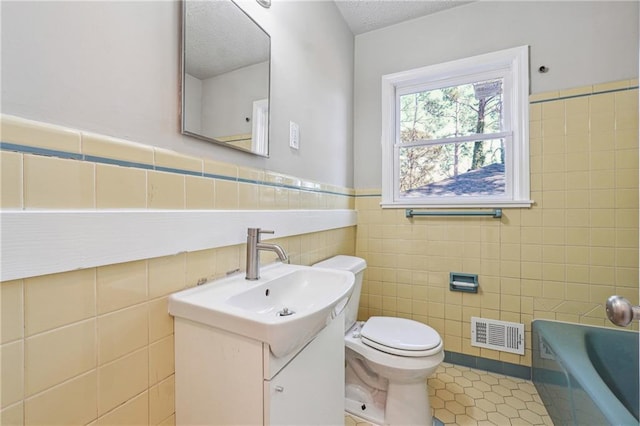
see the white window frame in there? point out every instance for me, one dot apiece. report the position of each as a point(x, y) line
point(510, 64)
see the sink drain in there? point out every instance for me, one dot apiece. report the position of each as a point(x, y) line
point(285, 312)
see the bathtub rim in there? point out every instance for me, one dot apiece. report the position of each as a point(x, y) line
point(578, 366)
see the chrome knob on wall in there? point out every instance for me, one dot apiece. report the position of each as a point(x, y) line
point(621, 312)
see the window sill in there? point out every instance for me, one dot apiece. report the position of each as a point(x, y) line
point(489, 204)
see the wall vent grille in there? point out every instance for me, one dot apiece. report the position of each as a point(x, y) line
point(499, 335)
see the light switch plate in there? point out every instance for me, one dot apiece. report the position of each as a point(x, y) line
point(294, 135)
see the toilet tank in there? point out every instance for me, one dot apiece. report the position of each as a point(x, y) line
point(357, 266)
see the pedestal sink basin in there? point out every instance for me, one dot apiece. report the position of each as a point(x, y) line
point(285, 308)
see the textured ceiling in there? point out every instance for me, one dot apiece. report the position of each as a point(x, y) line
point(219, 37)
point(368, 15)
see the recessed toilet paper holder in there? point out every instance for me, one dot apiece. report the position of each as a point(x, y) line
point(459, 281)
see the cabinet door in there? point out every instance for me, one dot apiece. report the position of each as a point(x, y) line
point(310, 389)
point(218, 376)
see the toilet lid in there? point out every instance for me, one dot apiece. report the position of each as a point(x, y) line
point(400, 336)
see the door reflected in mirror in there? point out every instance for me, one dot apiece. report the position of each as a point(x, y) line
point(225, 76)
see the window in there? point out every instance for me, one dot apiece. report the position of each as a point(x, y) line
point(456, 134)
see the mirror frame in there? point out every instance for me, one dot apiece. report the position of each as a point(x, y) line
point(183, 55)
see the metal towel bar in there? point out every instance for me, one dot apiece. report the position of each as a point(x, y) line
point(495, 213)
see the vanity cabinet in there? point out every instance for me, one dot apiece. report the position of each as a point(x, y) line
point(225, 379)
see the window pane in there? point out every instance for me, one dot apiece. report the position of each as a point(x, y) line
point(452, 111)
point(453, 169)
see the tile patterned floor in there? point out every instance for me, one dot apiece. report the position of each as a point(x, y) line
point(465, 396)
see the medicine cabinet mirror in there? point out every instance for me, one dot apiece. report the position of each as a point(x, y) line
point(225, 76)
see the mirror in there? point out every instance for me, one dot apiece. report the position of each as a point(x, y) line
point(225, 76)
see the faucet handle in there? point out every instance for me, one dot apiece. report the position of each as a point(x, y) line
point(254, 233)
point(257, 231)
point(261, 231)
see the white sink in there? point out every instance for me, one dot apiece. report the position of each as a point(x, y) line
point(285, 308)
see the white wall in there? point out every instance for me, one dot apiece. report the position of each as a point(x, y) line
point(227, 99)
point(112, 67)
point(192, 104)
point(582, 43)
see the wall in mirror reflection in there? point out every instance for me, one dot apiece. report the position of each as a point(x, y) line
point(229, 106)
point(225, 79)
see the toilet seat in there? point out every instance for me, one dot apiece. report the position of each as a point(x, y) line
point(401, 365)
point(400, 336)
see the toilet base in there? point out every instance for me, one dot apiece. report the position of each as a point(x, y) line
point(405, 404)
point(408, 404)
point(371, 412)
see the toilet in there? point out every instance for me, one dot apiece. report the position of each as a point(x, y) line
point(388, 360)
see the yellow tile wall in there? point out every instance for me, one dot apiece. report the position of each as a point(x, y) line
point(560, 259)
point(95, 346)
point(107, 356)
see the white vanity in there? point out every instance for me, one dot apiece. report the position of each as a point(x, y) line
point(243, 357)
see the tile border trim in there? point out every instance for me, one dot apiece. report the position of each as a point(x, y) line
point(26, 149)
point(558, 97)
point(491, 365)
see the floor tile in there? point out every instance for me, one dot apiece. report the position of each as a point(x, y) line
point(466, 396)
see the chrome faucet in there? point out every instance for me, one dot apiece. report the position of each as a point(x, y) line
point(254, 245)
